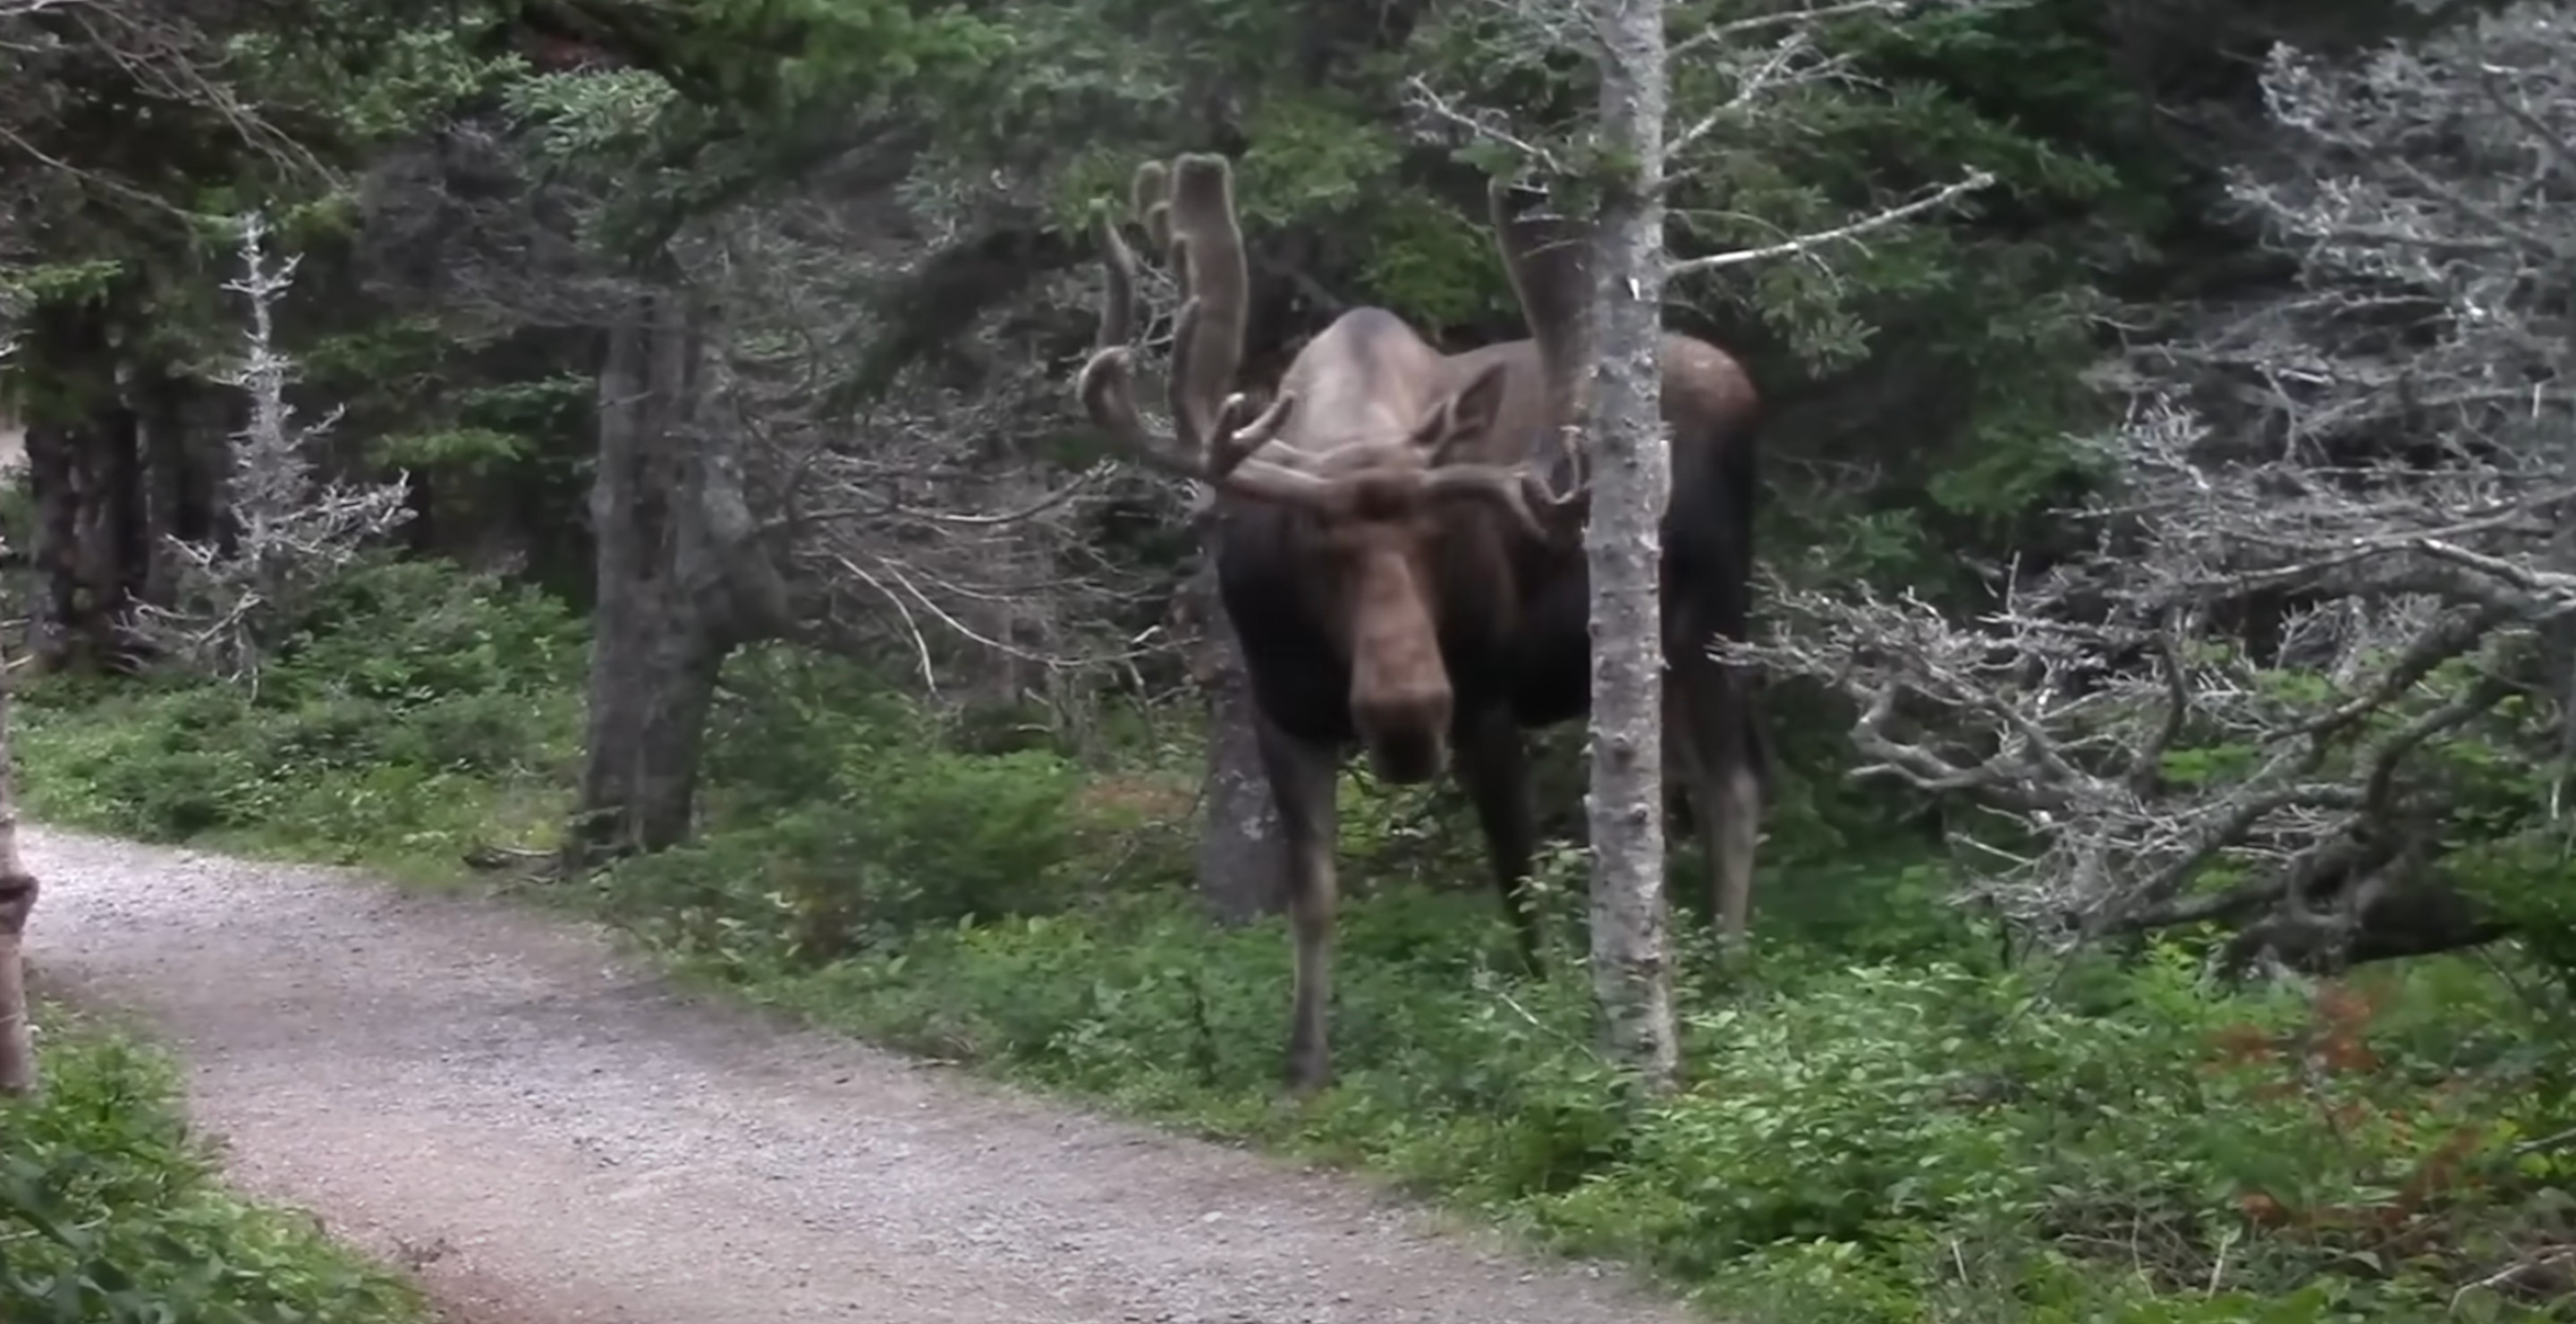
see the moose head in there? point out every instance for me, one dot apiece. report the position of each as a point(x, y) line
point(1373, 438)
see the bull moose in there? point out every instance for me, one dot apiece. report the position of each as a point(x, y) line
point(1394, 548)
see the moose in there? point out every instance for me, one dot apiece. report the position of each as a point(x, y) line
point(1396, 541)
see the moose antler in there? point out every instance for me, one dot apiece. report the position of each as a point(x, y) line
point(1189, 209)
point(1547, 255)
point(1520, 489)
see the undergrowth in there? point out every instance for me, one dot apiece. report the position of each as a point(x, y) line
point(111, 1214)
point(1888, 1121)
point(417, 712)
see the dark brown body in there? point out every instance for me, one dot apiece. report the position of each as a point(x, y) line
point(1397, 549)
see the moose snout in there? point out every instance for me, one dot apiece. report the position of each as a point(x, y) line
point(1406, 732)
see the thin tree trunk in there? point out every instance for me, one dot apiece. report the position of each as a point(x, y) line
point(17, 902)
point(111, 573)
point(53, 548)
point(1632, 472)
point(124, 538)
point(162, 422)
point(1243, 860)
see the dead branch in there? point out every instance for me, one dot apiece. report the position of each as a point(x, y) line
point(291, 532)
point(1807, 244)
point(2333, 561)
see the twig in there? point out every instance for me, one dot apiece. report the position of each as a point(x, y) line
point(1808, 243)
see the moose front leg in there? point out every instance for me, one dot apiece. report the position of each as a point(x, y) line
point(1302, 775)
point(1491, 762)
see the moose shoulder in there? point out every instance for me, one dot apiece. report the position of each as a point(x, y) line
point(1397, 551)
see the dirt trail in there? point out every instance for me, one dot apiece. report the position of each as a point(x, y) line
point(552, 1135)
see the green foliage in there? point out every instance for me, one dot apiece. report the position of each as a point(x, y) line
point(463, 450)
point(111, 1214)
point(1436, 264)
point(1312, 158)
point(1887, 1121)
point(727, 98)
point(63, 282)
point(417, 705)
point(368, 74)
point(845, 819)
point(422, 403)
point(1888, 1141)
point(591, 115)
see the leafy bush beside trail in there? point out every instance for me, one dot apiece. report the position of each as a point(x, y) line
point(1879, 1142)
point(110, 1213)
point(417, 710)
point(1888, 1123)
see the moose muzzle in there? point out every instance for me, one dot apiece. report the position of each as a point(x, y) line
point(1400, 696)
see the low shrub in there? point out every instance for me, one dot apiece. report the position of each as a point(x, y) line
point(1889, 1118)
point(421, 708)
point(109, 1214)
point(1875, 1143)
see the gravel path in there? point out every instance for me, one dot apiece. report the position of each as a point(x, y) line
point(549, 1134)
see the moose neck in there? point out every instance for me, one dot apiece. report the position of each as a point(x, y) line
point(1400, 696)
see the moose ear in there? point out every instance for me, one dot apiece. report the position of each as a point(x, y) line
point(1466, 413)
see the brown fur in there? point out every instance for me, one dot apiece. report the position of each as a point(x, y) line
point(1398, 548)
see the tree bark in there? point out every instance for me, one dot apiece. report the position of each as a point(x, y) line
point(90, 547)
point(683, 580)
point(181, 438)
point(53, 545)
point(1242, 861)
point(86, 480)
point(1632, 472)
point(161, 422)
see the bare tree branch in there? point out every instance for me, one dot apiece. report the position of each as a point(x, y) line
point(1809, 243)
point(2335, 560)
point(1754, 59)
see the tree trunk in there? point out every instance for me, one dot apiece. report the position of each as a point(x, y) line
point(161, 421)
point(652, 684)
point(85, 477)
point(90, 548)
point(86, 481)
point(1632, 471)
point(183, 450)
point(53, 542)
point(1242, 864)
point(116, 547)
point(17, 902)
point(682, 580)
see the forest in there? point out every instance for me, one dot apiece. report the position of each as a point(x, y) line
point(625, 453)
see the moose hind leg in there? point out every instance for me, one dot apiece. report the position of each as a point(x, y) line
point(1491, 761)
point(1709, 715)
point(1302, 775)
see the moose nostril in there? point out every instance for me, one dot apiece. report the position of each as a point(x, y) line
point(1405, 732)
point(1405, 757)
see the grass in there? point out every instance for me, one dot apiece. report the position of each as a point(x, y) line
point(110, 1213)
